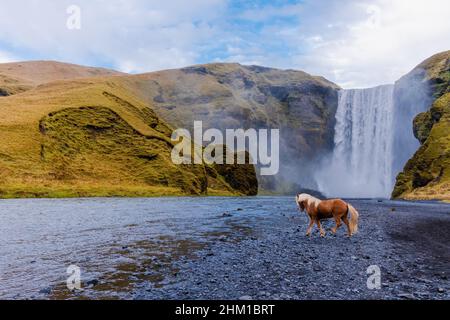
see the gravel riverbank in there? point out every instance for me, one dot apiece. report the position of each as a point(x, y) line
point(409, 242)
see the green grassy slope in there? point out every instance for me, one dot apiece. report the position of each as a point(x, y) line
point(92, 137)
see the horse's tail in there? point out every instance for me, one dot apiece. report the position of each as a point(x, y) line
point(354, 217)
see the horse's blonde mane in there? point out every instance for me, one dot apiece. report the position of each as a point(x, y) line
point(309, 199)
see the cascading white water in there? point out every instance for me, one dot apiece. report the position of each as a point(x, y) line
point(361, 164)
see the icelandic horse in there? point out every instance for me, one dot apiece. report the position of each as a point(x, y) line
point(338, 209)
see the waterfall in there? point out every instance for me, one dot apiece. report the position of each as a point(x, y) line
point(362, 161)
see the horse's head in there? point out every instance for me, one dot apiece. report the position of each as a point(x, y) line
point(302, 201)
point(301, 204)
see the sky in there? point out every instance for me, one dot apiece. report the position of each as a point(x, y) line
point(353, 43)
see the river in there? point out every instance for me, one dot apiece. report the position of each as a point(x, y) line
point(152, 248)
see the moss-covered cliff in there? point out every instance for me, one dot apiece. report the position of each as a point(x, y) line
point(427, 174)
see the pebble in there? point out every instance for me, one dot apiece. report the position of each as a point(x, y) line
point(246, 298)
point(45, 291)
point(408, 296)
point(92, 283)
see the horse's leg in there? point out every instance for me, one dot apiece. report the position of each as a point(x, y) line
point(337, 219)
point(345, 219)
point(311, 224)
point(322, 231)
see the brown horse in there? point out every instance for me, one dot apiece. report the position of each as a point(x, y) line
point(326, 209)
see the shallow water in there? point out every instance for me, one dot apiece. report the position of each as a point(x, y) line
point(123, 243)
point(40, 238)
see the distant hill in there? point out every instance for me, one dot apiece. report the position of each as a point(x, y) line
point(21, 76)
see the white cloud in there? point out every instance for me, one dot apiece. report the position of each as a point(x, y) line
point(133, 35)
point(368, 43)
point(353, 43)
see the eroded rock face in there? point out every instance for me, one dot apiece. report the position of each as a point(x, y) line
point(427, 174)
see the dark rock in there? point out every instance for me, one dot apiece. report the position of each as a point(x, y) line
point(407, 296)
point(46, 291)
point(92, 283)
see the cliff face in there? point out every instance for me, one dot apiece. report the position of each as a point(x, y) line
point(232, 96)
point(427, 174)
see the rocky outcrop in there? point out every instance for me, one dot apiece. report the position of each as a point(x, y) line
point(241, 177)
point(427, 174)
